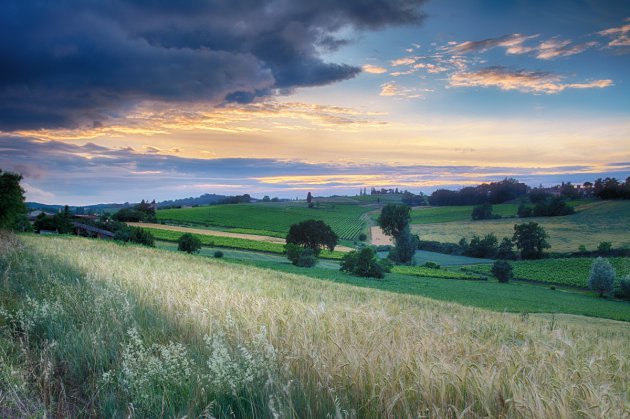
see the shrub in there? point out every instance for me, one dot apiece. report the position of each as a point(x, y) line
point(307, 258)
point(624, 288)
point(604, 247)
point(431, 265)
point(363, 263)
point(502, 270)
point(362, 237)
point(188, 243)
point(300, 256)
point(218, 254)
point(602, 276)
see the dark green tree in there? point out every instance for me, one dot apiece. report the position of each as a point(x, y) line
point(12, 207)
point(363, 263)
point(314, 234)
point(506, 249)
point(502, 270)
point(482, 212)
point(531, 239)
point(188, 243)
point(394, 219)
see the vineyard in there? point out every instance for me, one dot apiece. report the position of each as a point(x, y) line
point(425, 272)
point(573, 271)
point(270, 219)
point(233, 243)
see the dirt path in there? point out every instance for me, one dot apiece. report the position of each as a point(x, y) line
point(379, 238)
point(255, 237)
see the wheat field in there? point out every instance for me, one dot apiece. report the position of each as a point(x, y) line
point(100, 329)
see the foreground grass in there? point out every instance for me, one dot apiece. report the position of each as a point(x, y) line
point(126, 331)
point(515, 297)
point(594, 222)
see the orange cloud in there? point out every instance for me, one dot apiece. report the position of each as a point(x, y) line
point(373, 69)
point(521, 80)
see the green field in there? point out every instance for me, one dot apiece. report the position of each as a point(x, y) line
point(569, 271)
point(593, 223)
point(271, 218)
point(98, 329)
point(431, 215)
point(233, 243)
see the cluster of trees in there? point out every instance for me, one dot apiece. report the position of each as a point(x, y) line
point(492, 193)
point(142, 212)
point(60, 222)
point(365, 263)
point(414, 200)
point(545, 206)
point(611, 188)
point(483, 212)
point(237, 199)
point(12, 207)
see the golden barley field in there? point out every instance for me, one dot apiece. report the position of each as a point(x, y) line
point(98, 329)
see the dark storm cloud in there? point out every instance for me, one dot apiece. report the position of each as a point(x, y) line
point(70, 62)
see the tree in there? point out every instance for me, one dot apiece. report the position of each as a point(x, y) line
point(394, 219)
point(314, 234)
point(406, 246)
point(530, 239)
point(502, 270)
point(363, 263)
point(506, 249)
point(309, 198)
point(188, 243)
point(602, 276)
point(482, 212)
point(300, 256)
point(12, 207)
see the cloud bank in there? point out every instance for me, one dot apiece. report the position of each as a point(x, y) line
point(76, 62)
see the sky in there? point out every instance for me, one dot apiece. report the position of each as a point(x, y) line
point(127, 100)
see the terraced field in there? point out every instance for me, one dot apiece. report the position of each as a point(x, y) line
point(573, 271)
point(271, 219)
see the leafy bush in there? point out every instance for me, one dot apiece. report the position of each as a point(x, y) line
point(502, 270)
point(307, 258)
point(432, 265)
point(362, 237)
point(602, 276)
point(363, 263)
point(218, 254)
point(188, 243)
point(482, 248)
point(604, 247)
point(624, 288)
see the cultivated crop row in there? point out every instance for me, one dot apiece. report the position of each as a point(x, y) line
point(568, 271)
point(425, 272)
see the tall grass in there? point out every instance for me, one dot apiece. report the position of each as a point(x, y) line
point(115, 331)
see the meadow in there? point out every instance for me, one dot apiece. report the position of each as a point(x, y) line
point(431, 215)
point(271, 219)
point(593, 223)
point(567, 271)
point(107, 330)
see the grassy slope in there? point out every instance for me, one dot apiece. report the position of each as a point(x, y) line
point(139, 316)
point(345, 219)
point(514, 297)
point(593, 223)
